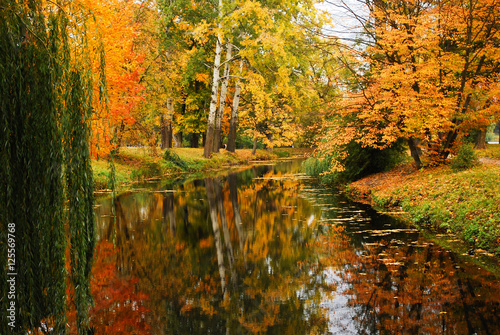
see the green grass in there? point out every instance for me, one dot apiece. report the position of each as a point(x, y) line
point(464, 203)
point(491, 151)
point(136, 164)
point(101, 173)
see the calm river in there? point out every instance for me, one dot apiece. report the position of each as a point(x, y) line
point(267, 251)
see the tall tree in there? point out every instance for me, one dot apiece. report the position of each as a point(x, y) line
point(222, 98)
point(209, 137)
point(470, 41)
point(185, 47)
point(115, 29)
point(273, 39)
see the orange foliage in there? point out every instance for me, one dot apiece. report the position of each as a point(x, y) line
point(431, 70)
point(119, 308)
point(115, 28)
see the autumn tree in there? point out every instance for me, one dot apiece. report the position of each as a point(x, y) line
point(472, 55)
point(272, 42)
point(185, 46)
point(113, 32)
point(423, 64)
point(154, 116)
point(264, 45)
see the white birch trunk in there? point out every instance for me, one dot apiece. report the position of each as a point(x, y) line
point(231, 141)
point(222, 99)
point(209, 142)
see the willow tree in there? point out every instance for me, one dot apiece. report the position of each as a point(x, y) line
point(46, 201)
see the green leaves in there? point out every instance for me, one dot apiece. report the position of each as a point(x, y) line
point(45, 114)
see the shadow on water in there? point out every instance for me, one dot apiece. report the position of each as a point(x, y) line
point(267, 251)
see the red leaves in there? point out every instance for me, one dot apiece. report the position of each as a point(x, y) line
point(118, 307)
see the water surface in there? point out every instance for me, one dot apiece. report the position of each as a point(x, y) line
point(267, 251)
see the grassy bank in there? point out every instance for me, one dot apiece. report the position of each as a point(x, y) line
point(465, 204)
point(491, 151)
point(134, 164)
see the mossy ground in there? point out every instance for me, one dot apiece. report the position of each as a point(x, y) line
point(464, 203)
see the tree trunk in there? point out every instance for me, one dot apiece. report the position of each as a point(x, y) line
point(209, 142)
point(480, 139)
point(178, 139)
point(119, 131)
point(169, 135)
point(271, 144)
point(254, 149)
point(415, 152)
point(163, 132)
point(452, 134)
point(195, 140)
point(222, 100)
point(166, 125)
point(233, 124)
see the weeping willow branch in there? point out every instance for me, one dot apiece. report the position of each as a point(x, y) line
point(45, 113)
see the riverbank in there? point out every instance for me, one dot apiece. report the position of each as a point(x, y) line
point(135, 164)
point(463, 204)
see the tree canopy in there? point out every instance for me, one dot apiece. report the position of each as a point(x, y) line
point(426, 72)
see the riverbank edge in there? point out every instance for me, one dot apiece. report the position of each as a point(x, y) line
point(458, 210)
point(137, 165)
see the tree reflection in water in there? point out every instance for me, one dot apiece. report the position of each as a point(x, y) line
point(417, 288)
point(246, 254)
point(229, 255)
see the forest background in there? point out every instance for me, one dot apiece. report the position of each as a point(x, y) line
point(417, 76)
point(192, 73)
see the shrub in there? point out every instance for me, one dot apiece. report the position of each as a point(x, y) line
point(465, 159)
point(245, 142)
point(363, 161)
point(282, 153)
point(101, 180)
point(172, 157)
point(360, 162)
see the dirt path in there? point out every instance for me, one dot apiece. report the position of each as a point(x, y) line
point(486, 160)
